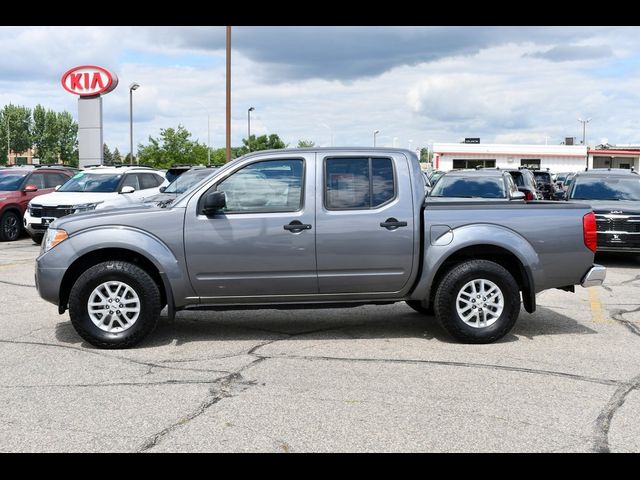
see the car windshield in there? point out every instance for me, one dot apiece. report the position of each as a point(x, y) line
point(606, 188)
point(560, 178)
point(186, 180)
point(469, 187)
point(11, 181)
point(92, 182)
point(542, 177)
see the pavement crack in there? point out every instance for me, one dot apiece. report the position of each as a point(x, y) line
point(225, 387)
point(603, 422)
point(14, 284)
point(111, 384)
point(552, 373)
point(634, 279)
point(617, 315)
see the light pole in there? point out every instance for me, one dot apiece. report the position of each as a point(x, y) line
point(375, 132)
point(395, 142)
point(251, 109)
point(132, 87)
point(584, 130)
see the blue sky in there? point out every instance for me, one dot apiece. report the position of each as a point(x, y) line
point(417, 85)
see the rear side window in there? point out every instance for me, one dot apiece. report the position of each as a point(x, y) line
point(52, 180)
point(358, 183)
point(149, 180)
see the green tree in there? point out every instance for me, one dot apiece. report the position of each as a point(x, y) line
point(306, 144)
point(174, 146)
point(263, 142)
point(17, 120)
point(107, 156)
point(117, 158)
point(425, 155)
point(67, 141)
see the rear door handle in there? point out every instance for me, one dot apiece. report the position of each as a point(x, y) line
point(297, 226)
point(392, 223)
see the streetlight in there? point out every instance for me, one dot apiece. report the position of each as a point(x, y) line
point(395, 141)
point(375, 132)
point(132, 87)
point(251, 109)
point(584, 129)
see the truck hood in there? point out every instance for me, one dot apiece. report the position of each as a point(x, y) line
point(128, 215)
point(609, 206)
point(72, 198)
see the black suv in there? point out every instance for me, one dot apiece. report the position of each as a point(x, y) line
point(546, 186)
point(473, 185)
point(614, 195)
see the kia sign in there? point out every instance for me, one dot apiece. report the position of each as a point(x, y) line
point(89, 81)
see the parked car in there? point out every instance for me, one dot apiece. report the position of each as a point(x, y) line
point(475, 185)
point(614, 195)
point(93, 188)
point(433, 177)
point(18, 186)
point(544, 184)
point(338, 227)
point(526, 183)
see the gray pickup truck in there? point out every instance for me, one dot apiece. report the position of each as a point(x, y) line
point(323, 227)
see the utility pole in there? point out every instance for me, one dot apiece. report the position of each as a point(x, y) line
point(228, 157)
point(584, 130)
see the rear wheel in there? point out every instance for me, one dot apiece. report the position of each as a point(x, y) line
point(114, 304)
point(10, 227)
point(477, 301)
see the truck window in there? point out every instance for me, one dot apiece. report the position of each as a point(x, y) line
point(358, 183)
point(268, 186)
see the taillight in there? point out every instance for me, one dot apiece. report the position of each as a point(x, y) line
point(528, 196)
point(590, 231)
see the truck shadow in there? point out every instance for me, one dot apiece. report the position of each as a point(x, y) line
point(348, 324)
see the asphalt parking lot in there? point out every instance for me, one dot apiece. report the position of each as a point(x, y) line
point(378, 378)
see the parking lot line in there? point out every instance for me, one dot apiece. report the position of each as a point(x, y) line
point(596, 306)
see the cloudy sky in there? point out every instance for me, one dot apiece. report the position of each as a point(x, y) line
point(416, 85)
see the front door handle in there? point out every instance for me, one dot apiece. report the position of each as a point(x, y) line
point(297, 226)
point(392, 223)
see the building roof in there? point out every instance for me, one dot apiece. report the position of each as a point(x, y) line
point(509, 149)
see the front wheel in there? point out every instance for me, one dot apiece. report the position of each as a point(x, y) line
point(477, 301)
point(114, 304)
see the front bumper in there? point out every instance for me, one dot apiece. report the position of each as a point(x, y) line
point(594, 277)
point(33, 225)
point(48, 281)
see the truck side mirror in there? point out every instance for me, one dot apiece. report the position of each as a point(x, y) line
point(213, 202)
point(127, 189)
point(518, 196)
point(162, 189)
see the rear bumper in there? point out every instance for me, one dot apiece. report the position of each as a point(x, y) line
point(594, 277)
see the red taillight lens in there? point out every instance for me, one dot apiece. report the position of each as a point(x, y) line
point(590, 231)
point(528, 196)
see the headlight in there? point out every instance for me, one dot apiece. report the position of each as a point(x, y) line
point(53, 237)
point(86, 207)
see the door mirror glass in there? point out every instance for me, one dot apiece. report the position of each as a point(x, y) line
point(127, 189)
point(30, 188)
point(214, 202)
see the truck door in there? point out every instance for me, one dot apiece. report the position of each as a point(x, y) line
point(263, 243)
point(364, 224)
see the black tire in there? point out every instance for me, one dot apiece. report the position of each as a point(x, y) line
point(417, 306)
point(10, 227)
point(454, 282)
point(135, 278)
point(37, 238)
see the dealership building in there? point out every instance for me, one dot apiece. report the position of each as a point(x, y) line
point(556, 158)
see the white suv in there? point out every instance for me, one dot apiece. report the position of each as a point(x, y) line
point(93, 188)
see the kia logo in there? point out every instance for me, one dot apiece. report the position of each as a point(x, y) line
point(89, 80)
point(616, 211)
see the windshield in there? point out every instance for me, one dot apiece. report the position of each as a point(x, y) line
point(560, 178)
point(543, 177)
point(518, 178)
point(469, 187)
point(186, 180)
point(606, 188)
point(92, 182)
point(10, 182)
